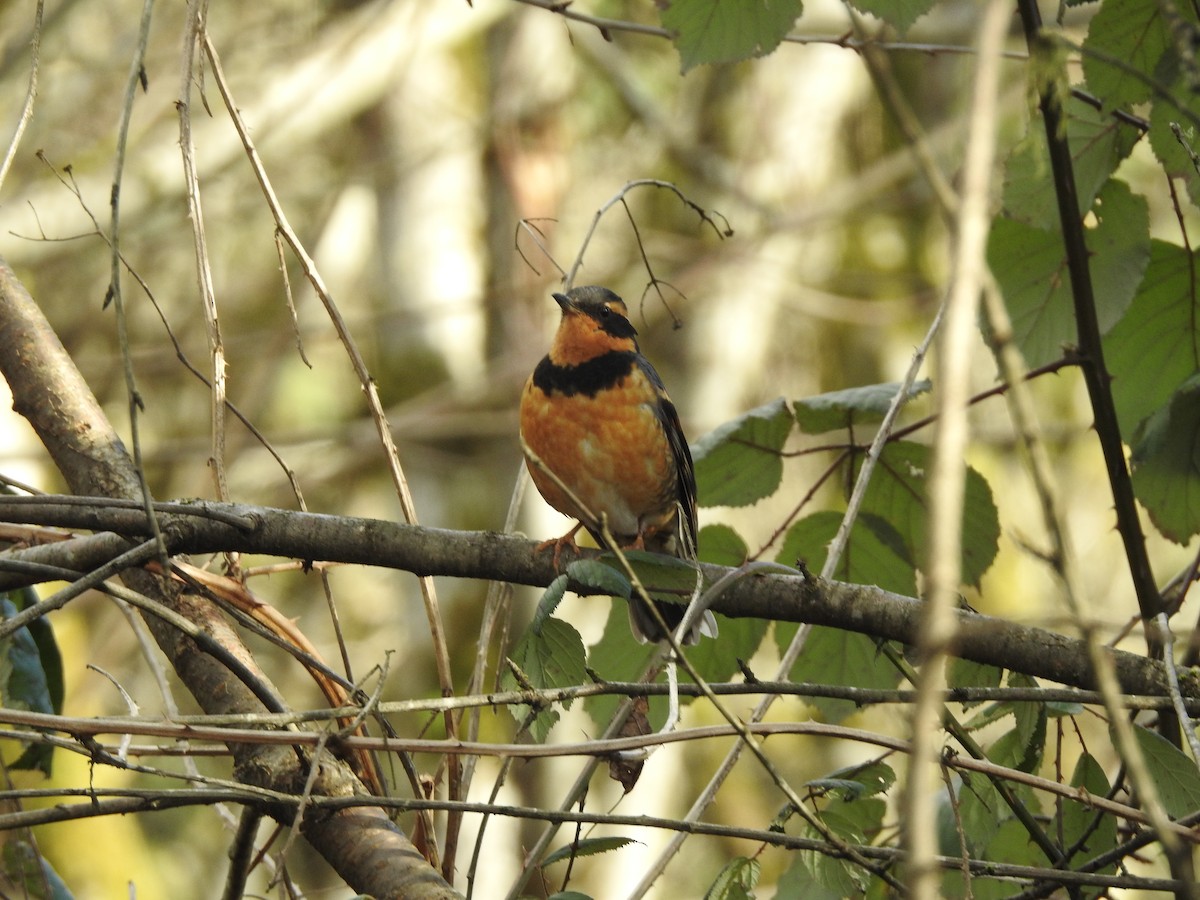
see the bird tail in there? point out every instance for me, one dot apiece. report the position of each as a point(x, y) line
point(676, 541)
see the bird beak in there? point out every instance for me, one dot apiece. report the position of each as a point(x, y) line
point(566, 304)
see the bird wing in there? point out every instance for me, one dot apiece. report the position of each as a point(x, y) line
point(668, 416)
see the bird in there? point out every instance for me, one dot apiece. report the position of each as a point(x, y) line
point(603, 442)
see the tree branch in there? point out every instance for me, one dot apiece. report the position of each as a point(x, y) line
point(49, 391)
point(213, 528)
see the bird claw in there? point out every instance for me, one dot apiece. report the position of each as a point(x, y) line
point(558, 543)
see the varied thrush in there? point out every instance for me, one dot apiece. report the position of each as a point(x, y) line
point(602, 439)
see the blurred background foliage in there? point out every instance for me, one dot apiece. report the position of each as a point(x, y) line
point(406, 140)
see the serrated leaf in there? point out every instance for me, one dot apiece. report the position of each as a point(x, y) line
point(716, 31)
point(897, 494)
point(831, 655)
point(1030, 726)
point(599, 577)
point(981, 810)
point(854, 406)
point(1173, 773)
point(549, 601)
point(739, 463)
point(1166, 465)
point(1153, 349)
point(736, 881)
point(1031, 267)
point(550, 658)
point(845, 658)
point(875, 552)
point(849, 821)
point(965, 673)
point(1124, 37)
point(857, 782)
point(587, 847)
point(1090, 832)
point(1098, 143)
point(618, 657)
point(798, 881)
point(900, 14)
point(722, 546)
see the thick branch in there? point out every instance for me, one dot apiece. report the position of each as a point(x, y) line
point(49, 391)
point(312, 537)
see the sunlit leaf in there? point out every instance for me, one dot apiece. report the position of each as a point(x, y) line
point(1166, 464)
point(739, 463)
point(716, 31)
point(854, 406)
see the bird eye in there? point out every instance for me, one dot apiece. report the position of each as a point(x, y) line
point(604, 311)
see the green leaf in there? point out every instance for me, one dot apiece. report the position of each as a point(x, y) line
point(550, 658)
point(964, 673)
point(587, 847)
point(900, 14)
point(798, 881)
point(551, 597)
point(1093, 833)
point(31, 675)
point(1098, 143)
point(1153, 349)
point(600, 577)
point(1173, 773)
point(717, 31)
point(850, 821)
point(854, 406)
point(569, 895)
point(981, 810)
point(1030, 730)
point(25, 868)
point(1176, 103)
point(1124, 37)
point(736, 881)
point(1031, 267)
point(1166, 465)
point(858, 782)
point(836, 657)
point(875, 552)
point(722, 546)
point(739, 463)
point(897, 494)
point(831, 655)
point(618, 657)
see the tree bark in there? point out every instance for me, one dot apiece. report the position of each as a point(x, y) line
point(50, 393)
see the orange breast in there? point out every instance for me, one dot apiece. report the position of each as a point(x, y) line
point(610, 450)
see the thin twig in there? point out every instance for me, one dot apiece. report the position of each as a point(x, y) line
point(35, 49)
